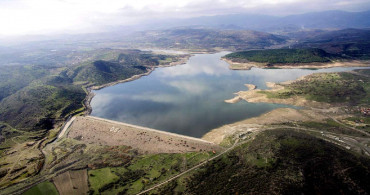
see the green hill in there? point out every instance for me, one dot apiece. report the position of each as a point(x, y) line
point(347, 43)
point(281, 56)
point(34, 97)
point(132, 62)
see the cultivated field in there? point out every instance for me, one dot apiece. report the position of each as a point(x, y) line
point(95, 130)
point(72, 182)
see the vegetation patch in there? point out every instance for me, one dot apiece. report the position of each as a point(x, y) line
point(328, 87)
point(281, 56)
point(279, 162)
point(142, 173)
point(44, 188)
point(331, 126)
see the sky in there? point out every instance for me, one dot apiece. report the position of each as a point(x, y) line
point(24, 17)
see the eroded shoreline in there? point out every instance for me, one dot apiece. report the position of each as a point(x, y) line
point(247, 66)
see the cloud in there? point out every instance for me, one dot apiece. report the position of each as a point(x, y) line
point(46, 16)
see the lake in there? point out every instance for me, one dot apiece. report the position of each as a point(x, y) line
point(189, 99)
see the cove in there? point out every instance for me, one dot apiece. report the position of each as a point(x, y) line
point(189, 99)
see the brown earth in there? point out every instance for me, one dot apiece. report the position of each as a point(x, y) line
point(95, 130)
point(276, 116)
point(72, 182)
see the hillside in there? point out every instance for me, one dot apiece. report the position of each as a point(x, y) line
point(132, 62)
point(348, 43)
point(280, 56)
point(38, 99)
point(279, 161)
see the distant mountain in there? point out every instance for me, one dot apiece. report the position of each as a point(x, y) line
point(205, 39)
point(352, 43)
point(314, 20)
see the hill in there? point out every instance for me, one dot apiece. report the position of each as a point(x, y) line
point(279, 161)
point(38, 99)
point(127, 64)
point(348, 43)
point(280, 56)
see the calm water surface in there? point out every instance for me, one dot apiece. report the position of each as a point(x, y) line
point(189, 99)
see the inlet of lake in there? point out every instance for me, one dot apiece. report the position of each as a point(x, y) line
point(189, 99)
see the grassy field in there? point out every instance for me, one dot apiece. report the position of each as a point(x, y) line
point(101, 177)
point(281, 56)
point(141, 173)
point(44, 188)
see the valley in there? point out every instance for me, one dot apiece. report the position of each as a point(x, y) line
point(118, 120)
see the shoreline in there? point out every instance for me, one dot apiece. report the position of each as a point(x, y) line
point(241, 95)
point(248, 65)
point(90, 94)
point(253, 96)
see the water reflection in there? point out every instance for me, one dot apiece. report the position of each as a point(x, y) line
point(189, 99)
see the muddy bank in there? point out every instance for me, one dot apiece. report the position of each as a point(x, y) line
point(233, 100)
point(237, 98)
point(248, 65)
point(276, 116)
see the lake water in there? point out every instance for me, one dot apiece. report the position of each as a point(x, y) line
point(189, 99)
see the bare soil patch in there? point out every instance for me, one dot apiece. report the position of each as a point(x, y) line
point(72, 182)
point(276, 116)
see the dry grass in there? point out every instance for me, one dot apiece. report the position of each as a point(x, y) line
point(72, 182)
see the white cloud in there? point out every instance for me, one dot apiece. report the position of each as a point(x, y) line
point(45, 16)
